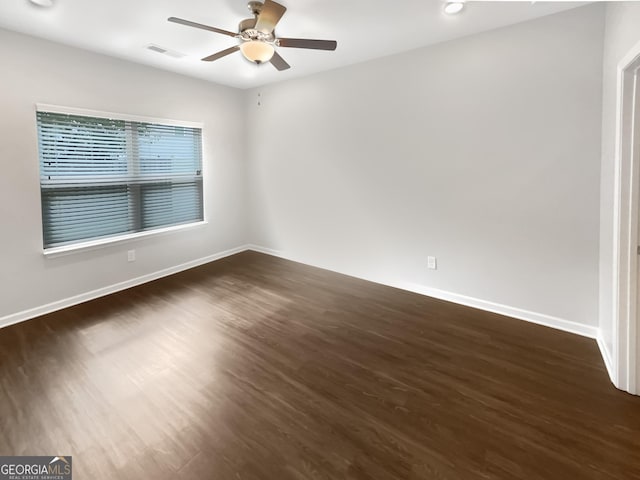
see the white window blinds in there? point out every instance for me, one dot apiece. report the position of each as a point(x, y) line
point(101, 177)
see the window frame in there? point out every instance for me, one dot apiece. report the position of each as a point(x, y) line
point(92, 244)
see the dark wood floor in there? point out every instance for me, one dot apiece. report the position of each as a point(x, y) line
point(258, 368)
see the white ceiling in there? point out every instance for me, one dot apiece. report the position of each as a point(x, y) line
point(364, 29)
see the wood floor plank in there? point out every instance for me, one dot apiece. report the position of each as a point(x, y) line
point(255, 367)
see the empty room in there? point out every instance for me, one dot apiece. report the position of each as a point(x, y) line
point(319, 240)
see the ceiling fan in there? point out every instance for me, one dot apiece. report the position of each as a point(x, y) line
point(257, 36)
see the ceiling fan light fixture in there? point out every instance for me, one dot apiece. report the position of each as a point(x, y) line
point(256, 51)
point(453, 8)
point(257, 38)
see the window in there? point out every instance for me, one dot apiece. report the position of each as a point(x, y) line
point(104, 177)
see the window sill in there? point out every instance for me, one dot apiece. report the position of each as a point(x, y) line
point(110, 241)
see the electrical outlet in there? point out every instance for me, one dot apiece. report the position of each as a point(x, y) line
point(131, 256)
point(432, 263)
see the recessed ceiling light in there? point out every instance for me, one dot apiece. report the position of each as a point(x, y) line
point(453, 8)
point(42, 3)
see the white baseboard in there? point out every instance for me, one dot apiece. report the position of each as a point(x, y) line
point(607, 357)
point(541, 319)
point(509, 311)
point(529, 316)
point(101, 292)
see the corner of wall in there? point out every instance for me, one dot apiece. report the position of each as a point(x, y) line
point(607, 356)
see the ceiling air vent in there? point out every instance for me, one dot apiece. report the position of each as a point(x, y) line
point(165, 51)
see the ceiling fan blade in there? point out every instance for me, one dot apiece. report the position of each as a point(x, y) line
point(203, 27)
point(307, 43)
point(270, 15)
point(278, 62)
point(221, 54)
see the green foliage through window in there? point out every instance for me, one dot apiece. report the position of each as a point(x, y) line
point(101, 177)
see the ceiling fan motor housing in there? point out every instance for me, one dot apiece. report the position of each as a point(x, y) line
point(246, 24)
point(248, 32)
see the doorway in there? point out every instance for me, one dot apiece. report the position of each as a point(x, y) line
point(626, 333)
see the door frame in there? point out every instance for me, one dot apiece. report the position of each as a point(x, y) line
point(626, 210)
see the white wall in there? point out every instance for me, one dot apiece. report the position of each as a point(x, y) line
point(34, 71)
point(479, 151)
point(482, 151)
point(621, 34)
